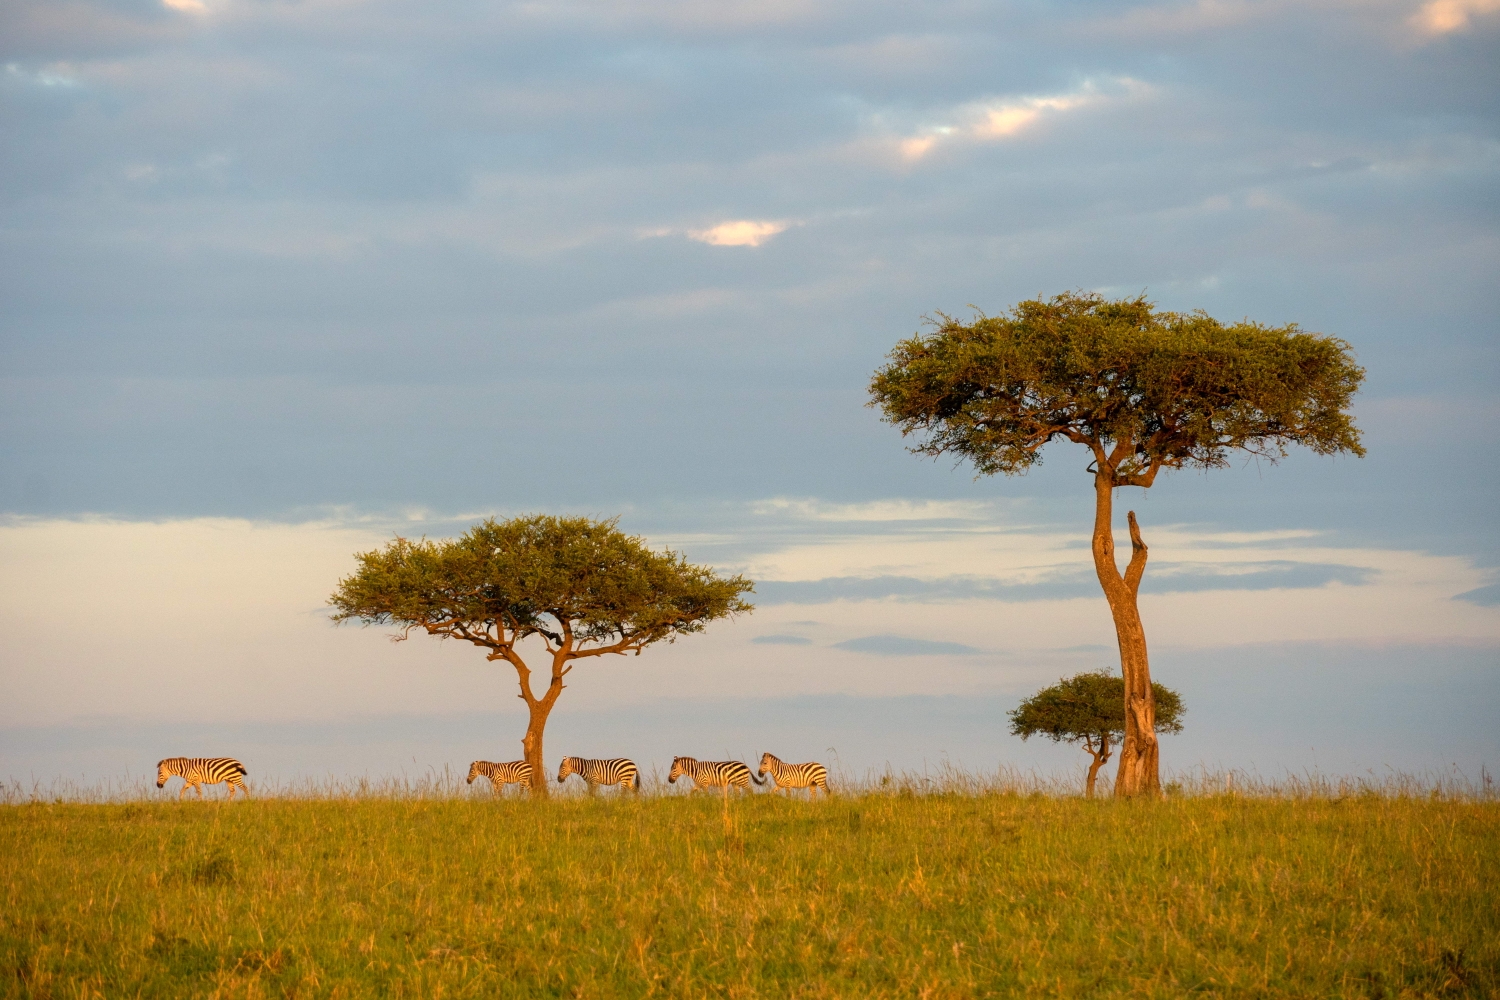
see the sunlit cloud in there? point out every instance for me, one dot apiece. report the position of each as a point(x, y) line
point(1443, 17)
point(994, 120)
point(188, 6)
point(801, 508)
point(740, 232)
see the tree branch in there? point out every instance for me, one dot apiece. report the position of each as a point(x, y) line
point(628, 642)
point(523, 673)
point(1137, 567)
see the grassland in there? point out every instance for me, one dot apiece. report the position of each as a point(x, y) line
point(872, 895)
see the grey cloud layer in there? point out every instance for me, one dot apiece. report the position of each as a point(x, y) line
point(278, 255)
point(1164, 578)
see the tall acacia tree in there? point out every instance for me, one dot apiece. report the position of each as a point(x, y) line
point(1143, 391)
point(583, 587)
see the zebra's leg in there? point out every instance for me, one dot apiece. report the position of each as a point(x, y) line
point(183, 791)
point(230, 784)
point(199, 789)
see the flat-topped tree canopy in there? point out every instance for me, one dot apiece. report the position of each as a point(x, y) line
point(1144, 390)
point(583, 586)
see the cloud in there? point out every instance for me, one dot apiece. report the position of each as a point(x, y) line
point(801, 508)
point(1164, 578)
point(782, 640)
point(1179, 19)
point(993, 120)
point(55, 75)
point(1485, 597)
point(740, 232)
point(1442, 17)
point(188, 6)
point(900, 645)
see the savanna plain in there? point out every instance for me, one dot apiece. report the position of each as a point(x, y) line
point(889, 891)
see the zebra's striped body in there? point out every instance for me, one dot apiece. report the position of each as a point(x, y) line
point(515, 772)
point(198, 771)
point(811, 776)
point(616, 771)
point(713, 773)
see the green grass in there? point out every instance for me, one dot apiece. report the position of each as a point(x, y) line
point(874, 895)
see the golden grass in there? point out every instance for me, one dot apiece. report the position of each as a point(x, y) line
point(876, 894)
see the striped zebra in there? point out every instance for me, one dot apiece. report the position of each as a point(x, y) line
point(198, 771)
point(515, 772)
point(713, 773)
point(811, 776)
point(616, 771)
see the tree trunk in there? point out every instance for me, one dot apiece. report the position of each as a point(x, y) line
point(1139, 771)
point(539, 709)
point(1101, 757)
point(531, 745)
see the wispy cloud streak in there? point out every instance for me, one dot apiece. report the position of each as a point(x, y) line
point(994, 120)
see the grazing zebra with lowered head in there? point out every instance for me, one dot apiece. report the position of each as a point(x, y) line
point(713, 773)
point(811, 776)
point(198, 771)
point(616, 771)
point(516, 772)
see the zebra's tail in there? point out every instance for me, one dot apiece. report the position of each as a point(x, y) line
point(753, 777)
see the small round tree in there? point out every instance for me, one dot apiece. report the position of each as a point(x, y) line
point(1090, 709)
point(583, 587)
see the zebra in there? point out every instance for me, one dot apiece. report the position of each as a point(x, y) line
point(709, 773)
point(616, 771)
point(811, 776)
point(516, 772)
point(198, 771)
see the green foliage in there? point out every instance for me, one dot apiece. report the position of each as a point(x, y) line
point(1089, 707)
point(864, 896)
point(582, 584)
point(1175, 389)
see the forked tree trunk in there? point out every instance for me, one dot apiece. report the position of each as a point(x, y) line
point(1139, 772)
point(538, 709)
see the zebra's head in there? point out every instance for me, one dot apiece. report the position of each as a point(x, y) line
point(679, 768)
point(566, 769)
point(163, 772)
point(766, 760)
point(474, 770)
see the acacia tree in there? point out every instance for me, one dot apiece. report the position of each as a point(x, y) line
point(1143, 391)
point(583, 587)
point(1090, 709)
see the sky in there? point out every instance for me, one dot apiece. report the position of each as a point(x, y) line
point(281, 280)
